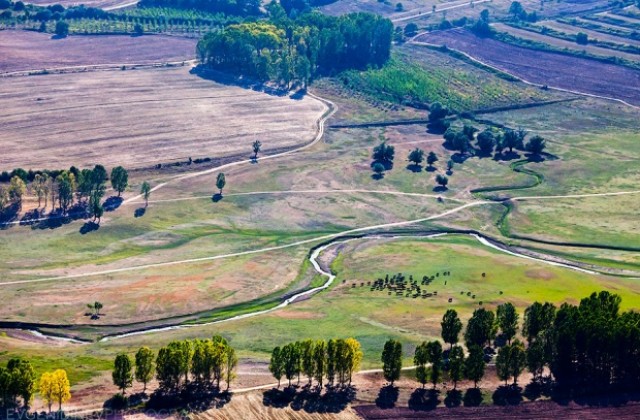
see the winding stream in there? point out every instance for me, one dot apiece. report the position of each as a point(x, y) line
point(330, 278)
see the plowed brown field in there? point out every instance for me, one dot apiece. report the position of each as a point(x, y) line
point(28, 50)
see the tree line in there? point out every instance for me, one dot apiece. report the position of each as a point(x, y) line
point(335, 359)
point(589, 348)
point(182, 368)
point(19, 384)
point(293, 52)
point(467, 140)
point(227, 7)
point(65, 188)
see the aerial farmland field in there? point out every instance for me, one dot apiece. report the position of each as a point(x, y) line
point(224, 210)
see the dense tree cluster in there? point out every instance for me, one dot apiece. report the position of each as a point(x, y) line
point(518, 12)
point(184, 369)
point(587, 348)
point(64, 189)
point(229, 7)
point(17, 384)
point(491, 140)
point(294, 52)
point(336, 360)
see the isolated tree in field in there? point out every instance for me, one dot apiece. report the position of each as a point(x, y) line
point(121, 375)
point(145, 190)
point(507, 318)
point(474, 365)
point(442, 180)
point(416, 156)
point(144, 366)
point(431, 159)
point(40, 187)
point(378, 168)
point(451, 327)
point(456, 365)
point(536, 145)
point(384, 153)
point(119, 179)
point(434, 352)
point(62, 28)
point(486, 142)
point(256, 148)
point(221, 181)
point(481, 328)
point(538, 318)
point(420, 360)
point(392, 360)
point(95, 307)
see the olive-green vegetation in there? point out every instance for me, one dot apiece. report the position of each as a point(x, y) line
point(419, 76)
point(294, 52)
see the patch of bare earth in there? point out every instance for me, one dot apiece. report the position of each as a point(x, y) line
point(140, 117)
point(29, 50)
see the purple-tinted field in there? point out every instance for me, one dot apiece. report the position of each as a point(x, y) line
point(545, 68)
point(27, 50)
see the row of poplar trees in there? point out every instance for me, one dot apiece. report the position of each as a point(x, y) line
point(204, 362)
point(336, 360)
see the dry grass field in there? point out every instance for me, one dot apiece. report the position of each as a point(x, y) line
point(141, 117)
point(28, 50)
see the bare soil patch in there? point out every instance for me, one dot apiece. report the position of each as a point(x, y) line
point(141, 117)
point(28, 50)
point(545, 68)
